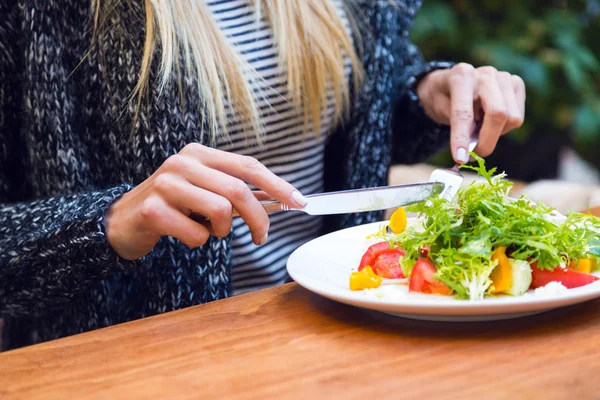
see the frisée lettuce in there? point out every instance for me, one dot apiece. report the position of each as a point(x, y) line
point(460, 236)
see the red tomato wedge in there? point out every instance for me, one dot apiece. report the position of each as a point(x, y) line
point(421, 279)
point(387, 264)
point(568, 277)
point(373, 251)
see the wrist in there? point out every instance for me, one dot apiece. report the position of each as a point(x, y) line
point(112, 227)
point(124, 237)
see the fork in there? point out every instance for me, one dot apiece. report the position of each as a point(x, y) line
point(451, 177)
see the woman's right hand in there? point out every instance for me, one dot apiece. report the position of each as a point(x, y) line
point(198, 180)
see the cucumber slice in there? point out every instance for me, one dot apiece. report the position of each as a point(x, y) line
point(521, 277)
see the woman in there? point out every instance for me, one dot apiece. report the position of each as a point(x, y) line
point(130, 129)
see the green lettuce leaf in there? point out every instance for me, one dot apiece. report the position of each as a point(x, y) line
point(461, 235)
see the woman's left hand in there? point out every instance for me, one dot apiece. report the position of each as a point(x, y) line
point(455, 96)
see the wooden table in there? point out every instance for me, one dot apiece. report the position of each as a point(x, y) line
point(288, 343)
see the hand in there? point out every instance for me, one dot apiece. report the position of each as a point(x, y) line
point(198, 180)
point(455, 96)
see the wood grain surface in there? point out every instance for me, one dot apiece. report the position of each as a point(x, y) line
point(288, 343)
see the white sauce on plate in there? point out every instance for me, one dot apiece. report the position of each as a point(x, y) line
point(386, 292)
point(550, 290)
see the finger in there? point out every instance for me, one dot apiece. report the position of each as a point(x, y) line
point(249, 170)
point(495, 109)
point(231, 188)
point(514, 114)
point(242, 199)
point(261, 196)
point(191, 199)
point(462, 85)
point(168, 221)
point(520, 94)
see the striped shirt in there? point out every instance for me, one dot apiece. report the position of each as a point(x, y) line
point(286, 151)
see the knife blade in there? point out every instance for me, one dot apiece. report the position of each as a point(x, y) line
point(360, 200)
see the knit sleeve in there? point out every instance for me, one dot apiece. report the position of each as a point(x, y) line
point(416, 136)
point(53, 248)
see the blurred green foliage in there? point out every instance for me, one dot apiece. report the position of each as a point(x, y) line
point(553, 45)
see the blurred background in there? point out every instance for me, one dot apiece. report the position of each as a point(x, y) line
point(555, 47)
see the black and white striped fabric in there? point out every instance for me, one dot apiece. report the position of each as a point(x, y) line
point(292, 155)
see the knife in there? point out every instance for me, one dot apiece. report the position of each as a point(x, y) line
point(360, 200)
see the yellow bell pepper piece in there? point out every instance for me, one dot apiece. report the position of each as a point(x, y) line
point(501, 275)
point(585, 265)
point(398, 221)
point(365, 279)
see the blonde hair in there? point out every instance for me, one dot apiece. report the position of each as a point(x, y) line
point(312, 41)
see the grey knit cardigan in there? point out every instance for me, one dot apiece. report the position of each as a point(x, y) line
point(67, 151)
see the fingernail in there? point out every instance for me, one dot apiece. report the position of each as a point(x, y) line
point(299, 199)
point(263, 240)
point(461, 155)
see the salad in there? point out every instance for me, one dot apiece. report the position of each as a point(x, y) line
point(483, 243)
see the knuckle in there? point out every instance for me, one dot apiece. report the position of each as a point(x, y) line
point(517, 79)
point(238, 191)
point(488, 71)
point(222, 210)
point(504, 76)
point(175, 163)
point(252, 164)
point(164, 183)
point(463, 69)
point(152, 208)
point(460, 136)
point(192, 148)
point(462, 114)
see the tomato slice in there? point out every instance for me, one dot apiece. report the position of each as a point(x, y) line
point(422, 279)
point(421, 272)
point(387, 264)
point(568, 277)
point(372, 252)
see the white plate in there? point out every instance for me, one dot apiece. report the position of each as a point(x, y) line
point(323, 266)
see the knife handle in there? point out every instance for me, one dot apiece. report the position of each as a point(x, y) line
point(270, 207)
